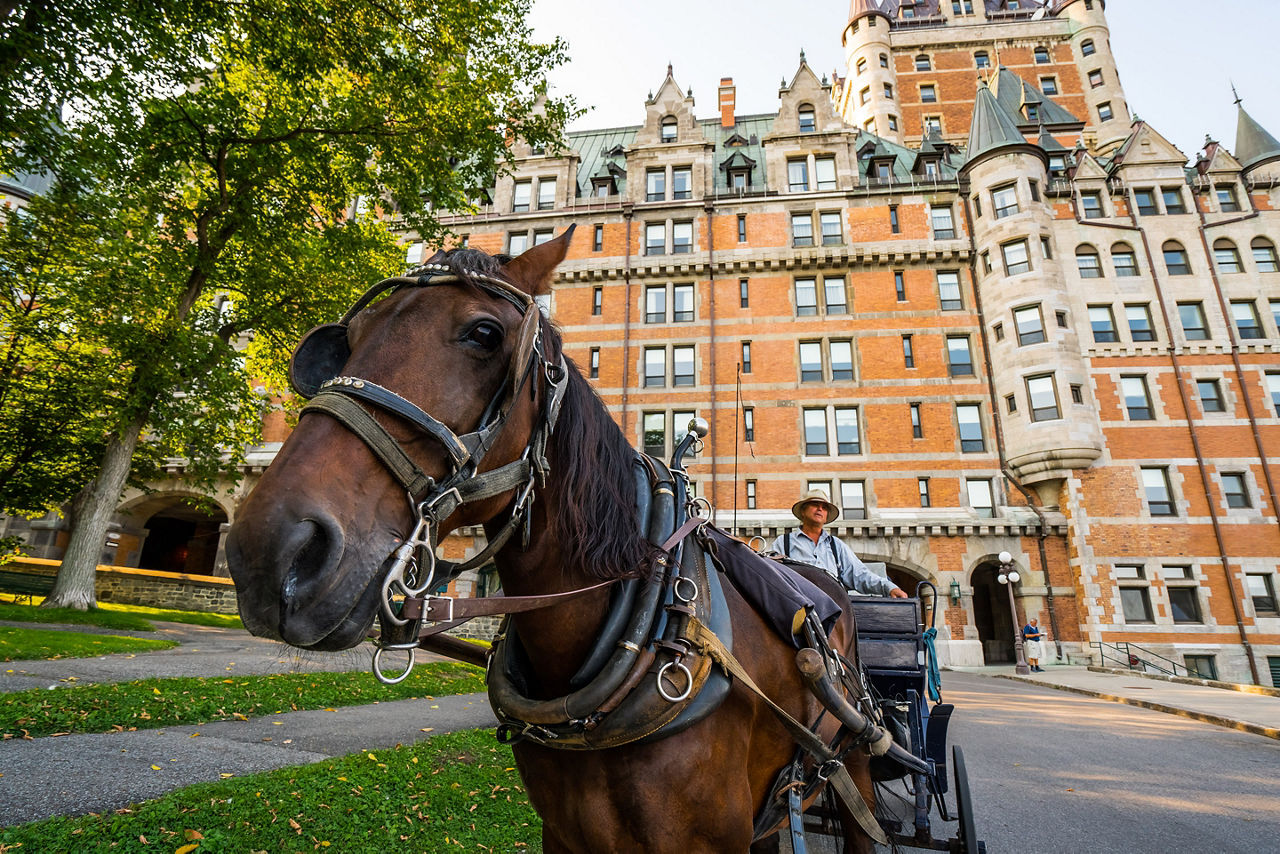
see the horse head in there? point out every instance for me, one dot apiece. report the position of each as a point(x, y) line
point(443, 377)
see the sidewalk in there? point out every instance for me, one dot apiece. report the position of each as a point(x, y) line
point(1248, 712)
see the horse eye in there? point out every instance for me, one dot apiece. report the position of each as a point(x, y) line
point(485, 334)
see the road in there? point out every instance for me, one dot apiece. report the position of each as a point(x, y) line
point(1058, 773)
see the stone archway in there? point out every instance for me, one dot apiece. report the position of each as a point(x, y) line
point(991, 615)
point(179, 534)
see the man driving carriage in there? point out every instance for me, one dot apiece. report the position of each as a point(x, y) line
point(810, 544)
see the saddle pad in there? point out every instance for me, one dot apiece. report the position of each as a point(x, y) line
point(777, 591)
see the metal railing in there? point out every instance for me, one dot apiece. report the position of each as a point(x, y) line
point(1134, 657)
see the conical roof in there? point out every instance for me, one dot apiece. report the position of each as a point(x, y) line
point(1048, 143)
point(1254, 146)
point(992, 128)
point(1014, 94)
point(862, 8)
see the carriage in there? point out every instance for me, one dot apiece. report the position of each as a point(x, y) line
point(637, 653)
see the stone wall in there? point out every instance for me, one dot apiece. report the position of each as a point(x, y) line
point(128, 586)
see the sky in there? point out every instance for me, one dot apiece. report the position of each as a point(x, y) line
point(1177, 58)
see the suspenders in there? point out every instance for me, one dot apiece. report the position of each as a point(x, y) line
point(831, 541)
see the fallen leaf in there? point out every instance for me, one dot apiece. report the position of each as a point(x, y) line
point(187, 849)
point(225, 775)
point(193, 835)
point(155, 767)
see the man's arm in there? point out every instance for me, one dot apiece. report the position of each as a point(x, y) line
point(855, 575)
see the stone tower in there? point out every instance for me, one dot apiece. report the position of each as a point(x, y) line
point(1091, 49)
point(870, 98)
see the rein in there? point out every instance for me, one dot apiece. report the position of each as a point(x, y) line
point(312, 373)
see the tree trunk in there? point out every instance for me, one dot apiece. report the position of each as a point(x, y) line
point(95, 506)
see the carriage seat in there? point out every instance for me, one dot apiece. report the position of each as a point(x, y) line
point(890, 636)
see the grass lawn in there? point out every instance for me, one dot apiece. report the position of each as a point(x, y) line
point(153, 703)
point(452, 792)
point(22, 644)
point(111, 616)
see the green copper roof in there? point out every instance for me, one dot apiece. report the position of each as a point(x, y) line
point(1254, 146)
point(1014, 94)
point(593, 146)
point(992, 128)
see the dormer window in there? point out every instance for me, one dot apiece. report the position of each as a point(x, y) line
point(601, 187)
point(669, 129)
point(808, 123)
point(1033, 112)
point(739, 180)
point(1042, 55)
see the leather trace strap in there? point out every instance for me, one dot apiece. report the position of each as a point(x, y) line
point(442, 608)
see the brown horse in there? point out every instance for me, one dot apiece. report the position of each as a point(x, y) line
point(312, 543)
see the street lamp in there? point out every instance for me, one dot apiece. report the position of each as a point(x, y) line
point(1009, 576)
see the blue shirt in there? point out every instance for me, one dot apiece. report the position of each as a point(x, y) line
point(1030, 632)
point(843, 565)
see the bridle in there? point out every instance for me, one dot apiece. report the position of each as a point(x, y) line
point(313, 373)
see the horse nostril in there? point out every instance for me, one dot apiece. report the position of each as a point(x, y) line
point(317, 548)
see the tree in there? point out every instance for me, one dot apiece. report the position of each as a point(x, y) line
point(248, 196)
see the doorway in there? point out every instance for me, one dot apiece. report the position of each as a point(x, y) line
point(182, 537)
point(991, 615)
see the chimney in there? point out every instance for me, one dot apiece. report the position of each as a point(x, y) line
point(728, 100)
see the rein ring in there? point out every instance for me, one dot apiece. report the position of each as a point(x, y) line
point(688, 678)
point(394, 680)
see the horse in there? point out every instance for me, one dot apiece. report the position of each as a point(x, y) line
point(317, 539)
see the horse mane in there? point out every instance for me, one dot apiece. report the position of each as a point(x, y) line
point(592, 462)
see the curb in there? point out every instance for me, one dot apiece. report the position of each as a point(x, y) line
point(1203, 717)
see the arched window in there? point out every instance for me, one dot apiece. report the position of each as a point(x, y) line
point(1087, 48)
point(1087, 262)
point(1264, 255)
point(808, 124)
point(669, 129)
point(923, 63)
point(1175, 259)
point(1123, 259)
point(1042, 55)
point(1226, 256)
point(982, 59)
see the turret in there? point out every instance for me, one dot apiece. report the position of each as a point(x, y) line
point(1041, 379)
point(870, 98)
point(1256, 149)
point(1091, 46)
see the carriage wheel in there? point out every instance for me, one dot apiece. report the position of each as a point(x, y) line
point(968, 834)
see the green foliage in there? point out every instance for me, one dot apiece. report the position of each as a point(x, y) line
point(152, 703)
point(456, 791)
point(19, 644)
point(31, 613)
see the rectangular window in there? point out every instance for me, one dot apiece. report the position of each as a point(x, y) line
point(949, 291)
point(655, 304)
point(893, 220)
point(980, 498)
point(682, 366)
point(1173, 203)
point(824, 172)
point(853, 499)
point(1275, 312)
point(998, 331)
point(841, 360)
point(542, 235)
point(1184, 604)
point(1091, 205)
point(1089, 265)
point(1035, 190)
point(1125, 262)
point(806, 297)
point(1135, 602)
point(1264, 255)
point(682, 183)
point(1030, 325)
point(744, 293)
point(655, 367)
point(1245, 315)
point(831, 235)
point(655, 185)
point(655, 433)
point(928, 94)
point(751, 495)
point(1236, 490)
point(1016, 258)
point(943, 227)
point(959, 359)
point(801, 229)
point(1095, 78)
point(1201, 666)
point(1049, 85)
point(900, 285)
point(597, 300)
point(917, 429)
point(546, 194)
point(908, 356)
point(1011, 403)
point(1042, 394)
point(517, 242)
point(1045, 246)
point(748, 424)
point(597, 243)
point(1227, 258)
point(969, 423)
point(742, 228)
point(888, 91)
point(1004, 201)
point(746, 357)
point(1139, 317)
point(681, 238)
point(655, 238)
point(815, 432)
point(1137, 398)
point(1104, 112)
point(1145, 201)
point(922, 487)
point(864, 94)
point(1194, 326)
point(1061, 317)
point(1155, 486)
point(1077, 393)
point(798, 175)
point(810, 361)
point(1273, 388)
point(833, 291)
point(682, 303)
point(1103, 323)
point(1210, 392)
point(1262, 591)
point(847, 438)
point(1227, 199)
point(523, 193)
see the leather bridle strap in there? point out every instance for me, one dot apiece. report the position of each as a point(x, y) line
point(357, 419)
point(442, 608)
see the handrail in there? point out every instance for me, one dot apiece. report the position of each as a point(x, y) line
point(1131, 661)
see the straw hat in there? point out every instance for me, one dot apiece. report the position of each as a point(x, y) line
point(816, 496)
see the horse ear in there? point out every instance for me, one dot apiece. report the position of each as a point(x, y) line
point(535, 268)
